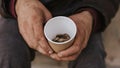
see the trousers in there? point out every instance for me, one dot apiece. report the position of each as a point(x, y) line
point(15, 53)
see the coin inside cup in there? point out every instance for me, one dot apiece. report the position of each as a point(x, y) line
point(61, 38)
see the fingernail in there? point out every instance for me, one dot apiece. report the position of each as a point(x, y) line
point(50, 52)
point(52, 56)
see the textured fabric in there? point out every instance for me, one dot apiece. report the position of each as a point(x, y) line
point(105, 8)
point(4, 10)
point(14, 52)
point(12, 8)
point(92, 56)
point(97, 25)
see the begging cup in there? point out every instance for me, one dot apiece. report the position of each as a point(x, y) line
point(60, 25)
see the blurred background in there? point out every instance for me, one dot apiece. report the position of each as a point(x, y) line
point(111, 39)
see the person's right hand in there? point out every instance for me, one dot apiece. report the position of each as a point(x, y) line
point(31, 15)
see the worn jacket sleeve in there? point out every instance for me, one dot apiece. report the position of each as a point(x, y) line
point(4, 8)
point(106, 9)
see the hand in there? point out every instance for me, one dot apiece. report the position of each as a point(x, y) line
point(31, 17)
point(83, 21)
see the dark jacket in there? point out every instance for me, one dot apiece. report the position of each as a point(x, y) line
point(4, 11)
point(105, 8)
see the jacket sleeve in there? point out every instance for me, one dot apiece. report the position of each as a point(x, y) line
point(4, 8)
point(106, 9)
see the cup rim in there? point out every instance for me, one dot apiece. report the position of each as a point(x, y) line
point(67, 40)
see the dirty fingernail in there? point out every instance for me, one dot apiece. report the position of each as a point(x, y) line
point(50, 52)
point(52, 56)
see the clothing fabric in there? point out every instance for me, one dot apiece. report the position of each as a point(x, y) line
point(106, 9)
point(93, 56)
point(97, 25)
point(15, 53)
point(12, 8)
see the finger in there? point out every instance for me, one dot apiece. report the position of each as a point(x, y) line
point(48, 16)
point(38, 31)
point(27, 33)
point(55, 56)
point(70, 58)
point(39, 49)
point(45, 46)
point(73, 49)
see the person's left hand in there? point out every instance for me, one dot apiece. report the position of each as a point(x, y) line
point(83, 22)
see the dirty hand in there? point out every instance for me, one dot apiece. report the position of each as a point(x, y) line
point(31, 15)
point(83, 22)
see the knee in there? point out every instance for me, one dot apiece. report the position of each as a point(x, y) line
point(14, 54)
point(12, 48)
point(11, 41)
point(13, 59)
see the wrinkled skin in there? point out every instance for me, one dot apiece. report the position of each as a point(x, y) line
point(31, 17)
point(83, 21)
point(32, 14)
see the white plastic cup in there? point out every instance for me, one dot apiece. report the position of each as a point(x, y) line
point(60, 25)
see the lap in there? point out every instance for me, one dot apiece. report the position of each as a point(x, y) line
point(12, 45)
point(92, 56)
